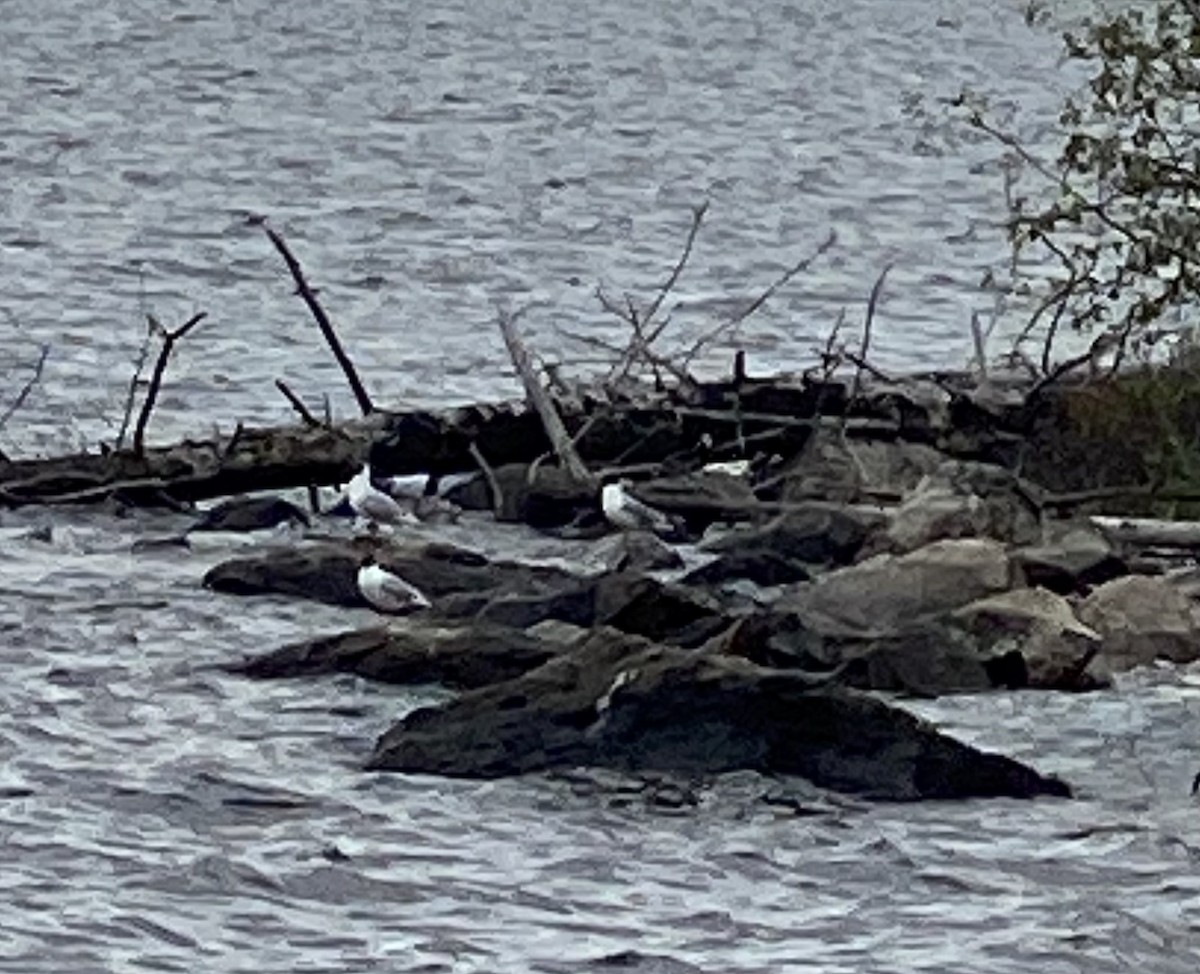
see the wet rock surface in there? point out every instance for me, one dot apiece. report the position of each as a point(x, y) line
point(623, 703)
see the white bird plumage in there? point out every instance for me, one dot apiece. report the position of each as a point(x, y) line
point(373, 504)
point(626, 512)
point(385, 591)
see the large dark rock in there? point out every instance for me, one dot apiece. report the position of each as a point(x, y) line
point(620, 702)
point(928, 658)
point(250, 514)
point(544, 496)
point(461, 657)
point(764, 568)
point(635, 604)
point(816, 533)
point(327, 572)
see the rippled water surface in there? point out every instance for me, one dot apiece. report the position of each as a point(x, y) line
point(429, 161)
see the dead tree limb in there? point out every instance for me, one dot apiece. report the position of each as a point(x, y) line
point(490, 476)
point(26, 389)
point(731, 324)
point(323, 322)
point(297, 404)
point(540, 399)
point(152, 328)
point(160, 367)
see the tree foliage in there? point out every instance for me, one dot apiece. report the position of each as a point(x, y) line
point(1112, 232)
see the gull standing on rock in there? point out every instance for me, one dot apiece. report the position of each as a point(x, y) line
point(386, 591)
point(372, 504)
point(624, 511)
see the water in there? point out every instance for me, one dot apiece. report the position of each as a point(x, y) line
point(428, 162)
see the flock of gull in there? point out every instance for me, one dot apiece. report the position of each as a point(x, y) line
point(386, 591)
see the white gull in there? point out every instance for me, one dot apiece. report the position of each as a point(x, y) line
point(373, 504)
point(385, 591)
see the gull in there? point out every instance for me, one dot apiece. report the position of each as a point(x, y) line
point(373, 504)
point(624, 511)
point(386, 591)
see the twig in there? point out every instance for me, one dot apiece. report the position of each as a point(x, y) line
point(865, 347)
point(27, 388)
point(732, 323)
point(564, 449)
point(323, 322)
point(160, 367)
point(297, 404)
point(152, 326)
point(698, 213)
point(490, 475)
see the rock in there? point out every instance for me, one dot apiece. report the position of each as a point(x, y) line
point(324, 573)
point(765, 568)
point(1080, 559)
point(328, 572)
point(1142, 620)
point(928, 658)
point(963, 500)
point(575, 605)
point(1039, 625)
point(888, 592)
point(640, 551)
point(544, 496)
point(643, 606)
point(250, 514)
point(622, 703)
point(461, 657)
point(698, 498)
point(818, 533)
point(836, 470)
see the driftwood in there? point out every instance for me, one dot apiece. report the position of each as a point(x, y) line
point(556, 432)
point(160, 367)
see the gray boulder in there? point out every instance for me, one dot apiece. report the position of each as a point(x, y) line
point(1140, 620)
point(963, 500)
point(1077, 560)
point(888, 592)
point(1040, 626)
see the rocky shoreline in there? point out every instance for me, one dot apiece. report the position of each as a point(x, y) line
point(844, 551)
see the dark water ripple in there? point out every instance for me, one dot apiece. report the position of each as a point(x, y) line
point(427, 161)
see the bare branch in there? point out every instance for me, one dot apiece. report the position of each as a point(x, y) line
point(160, 367)
point(297, 404)
point(26, 389)
point(323, 322)
point(731, 324)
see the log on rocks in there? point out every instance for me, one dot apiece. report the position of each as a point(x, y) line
point(624, 703)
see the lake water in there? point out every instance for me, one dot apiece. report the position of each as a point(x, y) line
point(430, 162)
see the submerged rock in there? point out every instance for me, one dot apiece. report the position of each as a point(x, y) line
point(623, 703)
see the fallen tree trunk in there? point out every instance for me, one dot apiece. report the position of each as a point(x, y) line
point(718, 422)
